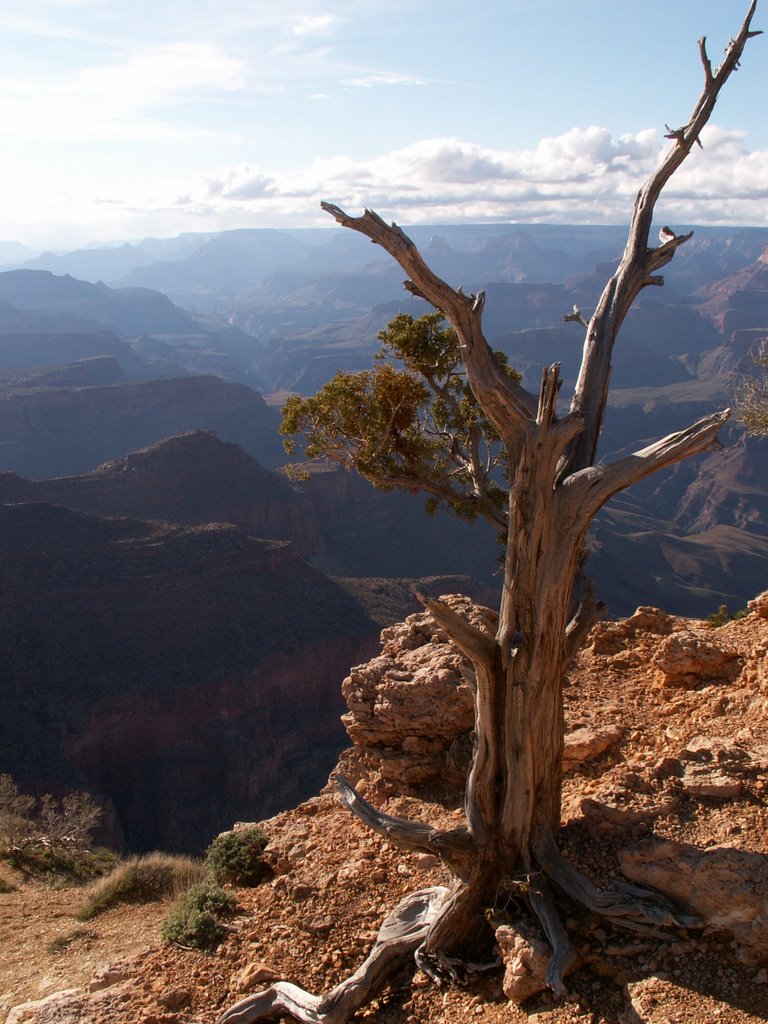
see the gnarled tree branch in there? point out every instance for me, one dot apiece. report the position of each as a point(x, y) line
point(507, 405)
point(401, 934)
point(629, 907)
point(638, 263)
point(563, 954)
point(592, 487)
point(477, 645)
point(453, 846)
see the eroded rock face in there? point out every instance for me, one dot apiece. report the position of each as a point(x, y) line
point(56, 431)
point(194, 477)
point(686, 659)
point(190, 478)
point(613, 637)
point(726, 887)
point(409, 707)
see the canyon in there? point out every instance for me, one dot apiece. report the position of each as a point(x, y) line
point(183, 675)
point(155, 558)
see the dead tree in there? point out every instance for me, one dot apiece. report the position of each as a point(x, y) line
point(513, 792)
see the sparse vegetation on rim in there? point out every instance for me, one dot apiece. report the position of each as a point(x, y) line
point(236, 858)
point(50, 838)
point(195, 918)
point(155, 876)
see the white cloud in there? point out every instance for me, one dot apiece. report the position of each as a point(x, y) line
point(584, 175)
point(369, 79)
point(118, 100)
point(313, 25)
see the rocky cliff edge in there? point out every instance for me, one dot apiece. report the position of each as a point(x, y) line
point(666, 751)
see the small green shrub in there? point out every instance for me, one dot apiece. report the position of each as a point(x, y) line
point(193, 920)
point(237, 857)
point(722, 615)
point(143, 880)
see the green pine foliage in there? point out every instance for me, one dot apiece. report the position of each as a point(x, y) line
point(411, 422)
point(722, 615)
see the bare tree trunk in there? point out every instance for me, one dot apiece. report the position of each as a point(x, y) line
point(513, 793)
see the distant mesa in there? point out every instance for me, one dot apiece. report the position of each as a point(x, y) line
point(64, 430)
point(190, 478)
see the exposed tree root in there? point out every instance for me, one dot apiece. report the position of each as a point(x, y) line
point(627, 906)
point(563, 953)
point(401, 934)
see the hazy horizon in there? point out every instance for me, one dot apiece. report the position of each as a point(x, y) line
point(8, 245)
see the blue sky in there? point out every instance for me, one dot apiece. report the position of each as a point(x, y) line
point(126, 118)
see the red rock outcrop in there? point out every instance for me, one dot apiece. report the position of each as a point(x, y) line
point(411, 709)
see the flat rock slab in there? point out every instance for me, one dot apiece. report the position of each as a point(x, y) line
point(728, 888)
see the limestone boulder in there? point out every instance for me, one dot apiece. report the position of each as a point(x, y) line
point(687, 659)
point(408, 707)
point(727, 888)
point(526, 959)
point(759, 605)
point(587, 742)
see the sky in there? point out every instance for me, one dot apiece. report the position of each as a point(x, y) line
point(121, 119)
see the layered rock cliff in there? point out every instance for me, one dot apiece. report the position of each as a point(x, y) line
point(190, 478)
point(55, 431)
point(186, 675)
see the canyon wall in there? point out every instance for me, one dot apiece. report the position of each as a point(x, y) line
point(185, 675)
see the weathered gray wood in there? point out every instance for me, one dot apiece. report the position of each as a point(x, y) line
point(564, 955)
point(641, 259)
point(627, 906)
point(589, 489)
point(453, 846)
point(471, 641)
point(402, 932)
